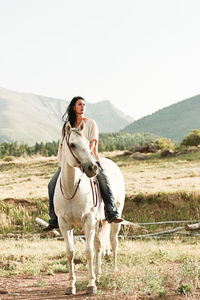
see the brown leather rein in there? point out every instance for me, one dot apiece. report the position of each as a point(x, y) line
point(93, 183)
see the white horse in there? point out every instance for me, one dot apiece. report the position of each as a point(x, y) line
point(74, 203)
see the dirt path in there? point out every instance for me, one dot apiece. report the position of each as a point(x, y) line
point(49, 287)
point(54, 286)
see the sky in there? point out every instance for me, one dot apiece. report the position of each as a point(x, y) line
point(142, 55)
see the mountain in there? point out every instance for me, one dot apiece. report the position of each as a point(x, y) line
point(32, 118)
point(107, 116)
point(174, 121)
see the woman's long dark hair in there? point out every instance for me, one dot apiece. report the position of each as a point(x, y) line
point(70, 115)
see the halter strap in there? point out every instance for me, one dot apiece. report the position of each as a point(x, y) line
point(94, 187)
point(74, 191)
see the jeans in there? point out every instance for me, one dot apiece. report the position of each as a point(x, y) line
point(51, 189)
point(106, 194)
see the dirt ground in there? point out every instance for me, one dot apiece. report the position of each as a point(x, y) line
point(54, 286)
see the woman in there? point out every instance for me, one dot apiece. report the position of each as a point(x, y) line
point(75, 115)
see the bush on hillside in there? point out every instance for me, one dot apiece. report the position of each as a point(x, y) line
point(192, 139)
point(8, 158)
point(164, 143)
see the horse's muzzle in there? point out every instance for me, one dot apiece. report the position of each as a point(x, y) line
point(90, 169)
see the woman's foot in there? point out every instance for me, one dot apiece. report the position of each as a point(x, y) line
point(50, 227)
point(116, 220)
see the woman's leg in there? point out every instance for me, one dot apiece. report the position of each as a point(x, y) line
point(111, 211)
point(53, 222)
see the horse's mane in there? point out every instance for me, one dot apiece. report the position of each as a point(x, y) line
point(76, 131)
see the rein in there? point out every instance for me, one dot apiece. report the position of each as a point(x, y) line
point(95, 191)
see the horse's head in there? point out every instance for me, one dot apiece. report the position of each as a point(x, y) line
point(76, 150)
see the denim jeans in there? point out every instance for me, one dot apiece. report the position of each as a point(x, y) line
point(106, 194)
point(51, 189)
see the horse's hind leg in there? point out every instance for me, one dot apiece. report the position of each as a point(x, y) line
point(89, 235)
point(114, 242)
point(101, 243)
point(68, 237)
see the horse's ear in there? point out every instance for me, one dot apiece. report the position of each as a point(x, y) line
point(81, 126)
point(67, 128)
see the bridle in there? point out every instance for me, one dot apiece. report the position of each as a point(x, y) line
point(94, 185)
point(79, 165)
point(70, 149)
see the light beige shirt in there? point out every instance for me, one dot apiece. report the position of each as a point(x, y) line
point(91, 133)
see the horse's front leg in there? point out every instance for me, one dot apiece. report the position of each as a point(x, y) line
point(89, 235)
point(68, 237)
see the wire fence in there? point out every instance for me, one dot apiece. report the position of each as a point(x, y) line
point(178, 232)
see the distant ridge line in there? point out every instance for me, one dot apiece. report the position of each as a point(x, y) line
point(30, 118)
point(174, 121)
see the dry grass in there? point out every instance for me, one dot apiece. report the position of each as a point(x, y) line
point(164, 183)
point(28, 178)
point(145, 268)
point(161, 176)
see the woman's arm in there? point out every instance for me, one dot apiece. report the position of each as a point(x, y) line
point(93, 145)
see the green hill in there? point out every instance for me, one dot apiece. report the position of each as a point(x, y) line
point(174, 121)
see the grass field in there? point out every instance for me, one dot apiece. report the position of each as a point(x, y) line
point(153, 268)
point(156, 190)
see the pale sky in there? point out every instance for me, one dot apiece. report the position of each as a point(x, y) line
point(142, 55)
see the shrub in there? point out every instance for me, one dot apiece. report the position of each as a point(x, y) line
point(192, 139)
point(8, 158)
point(164, 143)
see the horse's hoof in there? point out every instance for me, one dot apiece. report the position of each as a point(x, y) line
point(91, 290)
point(70, 291)
point(98, 276)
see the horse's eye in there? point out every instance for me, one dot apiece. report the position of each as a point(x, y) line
point(72, 145)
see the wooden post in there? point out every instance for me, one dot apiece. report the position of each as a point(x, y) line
point(190, 227)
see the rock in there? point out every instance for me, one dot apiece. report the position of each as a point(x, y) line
point(128, 152)
point(150, 147)
point(138, 156)
point(166, 153)
point(10, 235)
point(3, 292)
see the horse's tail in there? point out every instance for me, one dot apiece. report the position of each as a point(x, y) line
point(104, 236)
